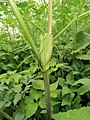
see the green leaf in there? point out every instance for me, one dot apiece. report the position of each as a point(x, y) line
point(42, 103)
point(17, 88)
point(83, 57)
point(76, 102)
point(69, 78)
point(61, 81)
point(82, 41)
point(61, 65)
point(54, 86)
point(30, 109)
point(19, 116)
point(85, 87)
point(28, 99)
point(53, 93)
point(17, 98)
point(38, 84)
point(84, 81)
point(65, 101)
point(77, 114)
point(65, 90)
point(35, 94)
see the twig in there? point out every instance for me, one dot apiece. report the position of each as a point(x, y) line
point(77, 17)
point(5, 115)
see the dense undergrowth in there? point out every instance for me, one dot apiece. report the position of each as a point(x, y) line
point(21, 81)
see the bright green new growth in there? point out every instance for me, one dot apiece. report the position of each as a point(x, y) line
point(46, 51)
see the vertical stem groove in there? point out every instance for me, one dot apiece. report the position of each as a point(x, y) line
point(45, 74)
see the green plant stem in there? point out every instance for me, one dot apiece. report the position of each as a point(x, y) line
point(47, 95)
point(45, 74)
point(5, 115)
point(49, 16)
point(44, 2)
point(24, 28)
point(71, 23)
point(38, 27)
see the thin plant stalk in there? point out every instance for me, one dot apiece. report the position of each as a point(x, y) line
point(49, 16)
point(45, 73)
point(77, 17)
point(5, 115)
point(24, 28)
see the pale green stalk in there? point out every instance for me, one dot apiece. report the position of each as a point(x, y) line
point(45, 73)
point(24, 28)
point(77, 17)
point(49, 16)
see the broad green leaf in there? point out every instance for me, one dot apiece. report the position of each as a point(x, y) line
point(83, 57)
point(17, 98)
point(84, 81)
point(38, 84)
point(65, 101)
point(30, 109)
point(76, 101)
point(17, 88)
point(53, 93)
point(77, 114)
point(65, 90)
point(19, 116)
point(28, 99)
point(16, 77)
point(42, 103)
point(82, 41)
point(61, 81)
point(83, 89)
point(54, 86)
point(70, 78)
point(35, 94)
